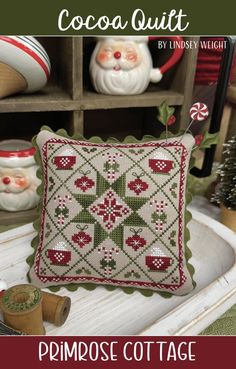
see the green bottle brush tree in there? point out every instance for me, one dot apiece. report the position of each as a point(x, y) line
point(225, 194)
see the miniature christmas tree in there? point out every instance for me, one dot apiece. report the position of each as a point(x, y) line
point(226, 190)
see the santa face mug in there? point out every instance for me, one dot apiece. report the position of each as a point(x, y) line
point(122, 65)
point(18, 180)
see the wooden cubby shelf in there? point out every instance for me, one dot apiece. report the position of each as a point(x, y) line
point(92, 100)
point(51, 98)
point(69, 96)
point(55, 99)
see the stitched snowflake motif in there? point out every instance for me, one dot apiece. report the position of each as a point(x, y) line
point(110, 210)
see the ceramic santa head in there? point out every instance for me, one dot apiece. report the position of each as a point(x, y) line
point(18, 180)
point(122, 65)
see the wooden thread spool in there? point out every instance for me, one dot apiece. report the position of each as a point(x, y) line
point(22, 309)
point(11, 81)
point(55, 308)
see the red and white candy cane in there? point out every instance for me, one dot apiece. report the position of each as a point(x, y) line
point(62, 201)
point(112, 159)
point(159, 207)
point(108, 257)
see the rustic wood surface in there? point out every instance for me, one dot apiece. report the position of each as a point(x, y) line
point(51, 98)
point(93, 100)
point(100, 312)
point(17, 217)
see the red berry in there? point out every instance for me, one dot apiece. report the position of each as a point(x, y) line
point(198, 139)
point(171, 120)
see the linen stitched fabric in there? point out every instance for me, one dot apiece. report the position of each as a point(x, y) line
point(113, 213)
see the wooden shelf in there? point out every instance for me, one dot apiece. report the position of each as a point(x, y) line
point(56, 99)
point(51, 98)
point(93, 100)
point(8, 218)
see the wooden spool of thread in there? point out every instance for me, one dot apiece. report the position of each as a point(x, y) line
point(22, 309)
point(55, 308)
point(11, 81)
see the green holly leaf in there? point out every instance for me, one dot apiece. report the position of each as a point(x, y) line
point(65, 212)
point(107, 166)
point(165, 112)
point(112, 264)
point(103, 263)
point(209, 139)
point(163, 217)
point(58, 211)
point(155, 217)
point(127, 275)
point(115, 167)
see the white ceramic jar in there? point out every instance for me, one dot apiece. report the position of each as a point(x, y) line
point(18, 180)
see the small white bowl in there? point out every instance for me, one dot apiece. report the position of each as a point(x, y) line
point(28, 57)
point(16, 153)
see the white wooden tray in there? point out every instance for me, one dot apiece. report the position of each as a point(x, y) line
point(100, 312)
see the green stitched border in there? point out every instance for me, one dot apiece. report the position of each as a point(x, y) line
point(92, 286)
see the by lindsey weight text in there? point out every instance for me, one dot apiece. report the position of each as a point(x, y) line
point(173, 20)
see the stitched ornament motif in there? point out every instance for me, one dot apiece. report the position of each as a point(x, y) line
point(113, 214)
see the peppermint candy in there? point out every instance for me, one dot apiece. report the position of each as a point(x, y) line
point(199, 112)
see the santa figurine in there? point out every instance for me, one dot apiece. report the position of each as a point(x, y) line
point(122, 65)
point(18, 180)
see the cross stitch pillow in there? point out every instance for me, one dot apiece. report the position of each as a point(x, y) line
point(113, 213)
